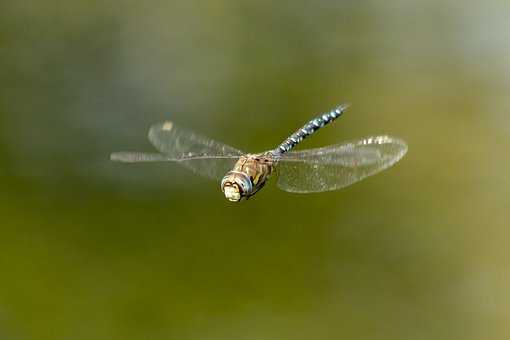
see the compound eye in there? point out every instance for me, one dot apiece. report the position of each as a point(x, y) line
point(245, 185)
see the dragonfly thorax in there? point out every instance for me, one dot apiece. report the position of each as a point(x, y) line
point(248, 176)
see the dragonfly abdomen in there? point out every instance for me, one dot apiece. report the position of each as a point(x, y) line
point(309, 128)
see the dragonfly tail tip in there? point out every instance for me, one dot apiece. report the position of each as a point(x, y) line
point(344, 106)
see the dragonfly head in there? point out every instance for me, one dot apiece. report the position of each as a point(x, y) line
point(236, 185)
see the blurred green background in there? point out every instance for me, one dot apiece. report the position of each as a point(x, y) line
point(91, 249)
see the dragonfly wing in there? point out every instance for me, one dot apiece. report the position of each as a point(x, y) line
point(137, 157)
point(337, 166)
point(177, 142)
point(214, 167)
point(202, 155)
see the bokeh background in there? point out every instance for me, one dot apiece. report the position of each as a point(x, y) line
point(91, 249)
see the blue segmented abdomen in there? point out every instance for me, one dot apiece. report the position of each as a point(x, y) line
point(310, 127)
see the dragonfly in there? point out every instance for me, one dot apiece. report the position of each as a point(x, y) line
point(241, 174)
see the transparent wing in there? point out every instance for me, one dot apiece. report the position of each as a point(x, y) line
point(200, 154)
point(337, 166)
point(177, 143)
point(214, 167)
point(137, 157)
